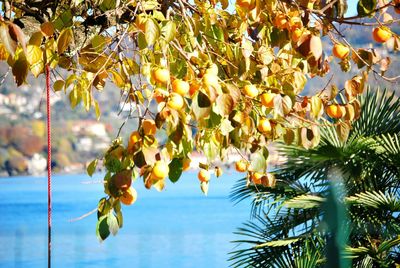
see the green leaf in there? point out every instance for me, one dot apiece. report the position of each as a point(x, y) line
point(103, 207)
point(142, 41)
point(112, 223)
point(91, 167)
point(102, 228)
point(306, 201)
point(152, 32)
point(317, 107)
point(58, 85)
point(168, 31)
point(218, 33)
point(113, 164)
point(226, 127)
point(108, 5)
point(120, 219)
point(175, 169)
point(258, 162)
point(278, 243)
point(365, 7)
point(86, 98)
point(64, 20)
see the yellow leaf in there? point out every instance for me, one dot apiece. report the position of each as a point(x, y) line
point(204, 187)
point(97, 110)
point(5, 38)
point(58, 85)
point(159, 185)
point(36, 39)
point(152, 32)
point(34, 54)
point(317, 107)
point(87, 100)
point(20, 68)
point(3, 52)
point(65, 38)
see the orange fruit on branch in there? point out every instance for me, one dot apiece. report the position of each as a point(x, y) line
point(381, 34)
point(267, 99)
point(122, 180)
point(334, 111)
point(246, 4)
point(186, 164)
point(340, 51)
point(175, 101)
point(264, 126)
point(203, 175)
point(128, 197)
point(256, 177)
point(134, 138)
point(161, 75)
point(241, 165)
point(181, 87)
point(280, 21)
point(160, 170)
point(250, 91)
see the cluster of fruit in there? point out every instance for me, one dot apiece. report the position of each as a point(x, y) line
point(257, 178)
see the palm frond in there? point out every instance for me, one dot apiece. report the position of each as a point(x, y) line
point(376, 200)
point(295, 214)
point(380, 114)
point(304, 202)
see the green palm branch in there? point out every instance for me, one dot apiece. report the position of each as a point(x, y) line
point(297, 223)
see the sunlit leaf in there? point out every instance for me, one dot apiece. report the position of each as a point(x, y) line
point(91, 167)
point(64, 40)
point(152, 31)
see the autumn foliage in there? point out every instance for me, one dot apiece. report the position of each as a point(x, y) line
point(207, 76)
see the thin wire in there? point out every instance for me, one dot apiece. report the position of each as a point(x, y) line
point(48, 166)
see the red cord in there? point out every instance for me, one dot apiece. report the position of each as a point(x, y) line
point(47, 72)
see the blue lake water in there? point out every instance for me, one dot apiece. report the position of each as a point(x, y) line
point(179, 227)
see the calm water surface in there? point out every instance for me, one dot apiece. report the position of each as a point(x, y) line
point(176, 228)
